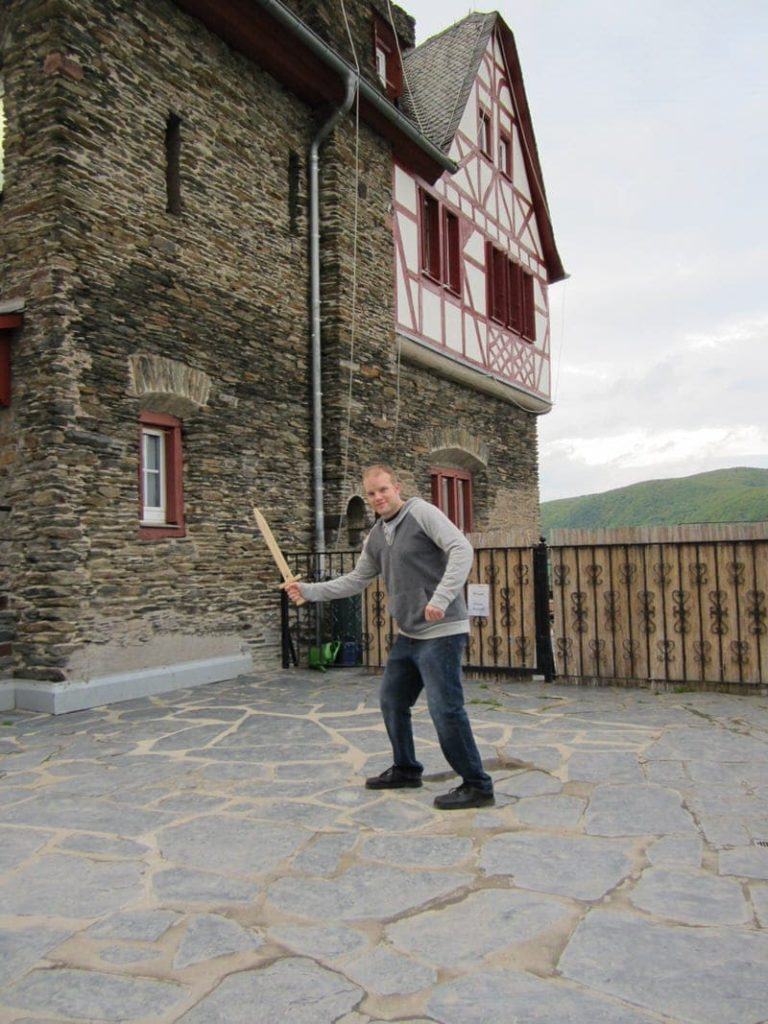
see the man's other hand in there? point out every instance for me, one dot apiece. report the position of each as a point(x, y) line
point(432, 614)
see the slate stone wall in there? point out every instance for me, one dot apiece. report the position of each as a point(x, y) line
point(119, 293)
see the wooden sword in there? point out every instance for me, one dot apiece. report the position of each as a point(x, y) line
point(277, 554)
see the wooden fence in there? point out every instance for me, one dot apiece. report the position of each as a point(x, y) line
point(685, 606)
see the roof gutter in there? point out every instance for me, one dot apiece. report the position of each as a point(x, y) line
point(368, 93)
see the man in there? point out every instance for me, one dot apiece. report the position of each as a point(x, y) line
point(425, 561)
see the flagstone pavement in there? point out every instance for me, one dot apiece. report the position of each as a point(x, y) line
point(211, 856)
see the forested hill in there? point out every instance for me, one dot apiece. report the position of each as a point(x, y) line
point(724, 495)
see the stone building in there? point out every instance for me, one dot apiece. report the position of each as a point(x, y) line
point(157, 328)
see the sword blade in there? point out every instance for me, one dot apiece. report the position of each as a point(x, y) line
point(274, 547)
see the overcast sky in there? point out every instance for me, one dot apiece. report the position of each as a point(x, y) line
point(650, 118)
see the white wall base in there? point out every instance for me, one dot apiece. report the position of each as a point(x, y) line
point(74, 695)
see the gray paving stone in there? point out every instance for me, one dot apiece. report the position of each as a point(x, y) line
point(81, 842)
point(16, 844)
point(51, 811)
point(529, 784)
point(581, 867)
point(242, 846)
point(633, 810)
point(226, 772)
point(315, 773)
point(21, 948)
point(93, 996)
point(187, 739)
point(690, 898)
point(706, 745)
point(485, 922)
point(745, 862)
point(394, 814)
point(61, 886)
point(128, 954)
point(349, 796)
point(326, 943)
point(323, 856)
point(294, 990)
point(722, 832)
point(179, 885)
point(759, 896)
point(418, 851)
point(667, 773)
point(190, 803)
point(512, 997)
point(557, 811)
point(696, 975)
point(387, 973)
point(676, 851)
point(604, 766)
point(311, 815)
point(546, 759)
point(362, 892)
point(134, 925)
point(211, 935)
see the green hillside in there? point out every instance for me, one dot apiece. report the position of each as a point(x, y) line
point(722, 496)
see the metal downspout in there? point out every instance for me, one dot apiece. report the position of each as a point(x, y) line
point(314, 265)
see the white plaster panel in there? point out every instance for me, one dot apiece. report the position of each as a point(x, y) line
point(471, 347)
point(485, 176)
point(468, 122)
point(475, 281)
point(539, 295)
point(409, 234)
point(453, 327)
point(541, 329)
point(533, 231)
point(463, 182)
point(483, 72)
point(430, 323)
point(505, 107)
point(475, 247)
point(405, 190)
point(403, 308)
point(544, 377)
point(519, 176)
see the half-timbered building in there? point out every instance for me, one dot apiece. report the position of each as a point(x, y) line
point(174, 175)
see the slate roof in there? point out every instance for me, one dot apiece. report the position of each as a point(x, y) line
point(440, 74)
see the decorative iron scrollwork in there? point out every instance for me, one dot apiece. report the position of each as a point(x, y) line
point(627, 572)
point(718, 613)
point(699, 574)
point(507, 608)
point(471, 644)
point(756, 612)
point(521, 573)
point(594, 574)
point(564, 648)
point(665, 651)
point(702, 652)
point(630, 649)
point(562, 575)
point(523, 648)
point(735, 572)
point(495, 642)
point(611, 609)
point(647, 600)
point(366, 640)
point(681, 611)
point(662, 573)
point(389, 641)
point(597, 651)
point(579, 613)
point(491, 573)
point(379, 613)
point(740, 652)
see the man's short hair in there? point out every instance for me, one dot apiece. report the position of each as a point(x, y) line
point(382, 467)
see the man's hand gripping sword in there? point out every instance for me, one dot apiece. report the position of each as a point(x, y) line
point(280, 562)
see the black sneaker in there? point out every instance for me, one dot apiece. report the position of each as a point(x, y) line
point(463, 797)
point(395, 778)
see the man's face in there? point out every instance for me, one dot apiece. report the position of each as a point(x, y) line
point(382, 494)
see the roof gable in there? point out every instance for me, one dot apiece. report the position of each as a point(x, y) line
point(439, 78)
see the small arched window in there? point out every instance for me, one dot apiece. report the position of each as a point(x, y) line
point(356, 521)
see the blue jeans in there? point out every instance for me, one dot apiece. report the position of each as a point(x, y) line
point(435, 666)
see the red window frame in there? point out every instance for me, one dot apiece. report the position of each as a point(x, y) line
point(174, 525)
point(485, 132)
point(509, 291)
point(384, 39)
point(452, 494)
point(9, 322)
point(505, 153)
point(440, 234)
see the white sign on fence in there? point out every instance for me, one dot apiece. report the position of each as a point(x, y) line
point(479, 599)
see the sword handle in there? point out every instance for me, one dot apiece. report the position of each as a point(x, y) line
point(294, 579)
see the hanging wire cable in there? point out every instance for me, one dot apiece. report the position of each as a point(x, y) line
point(353, 321)
point(414, 104)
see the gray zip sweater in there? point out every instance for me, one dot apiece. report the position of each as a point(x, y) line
point(423, 558)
